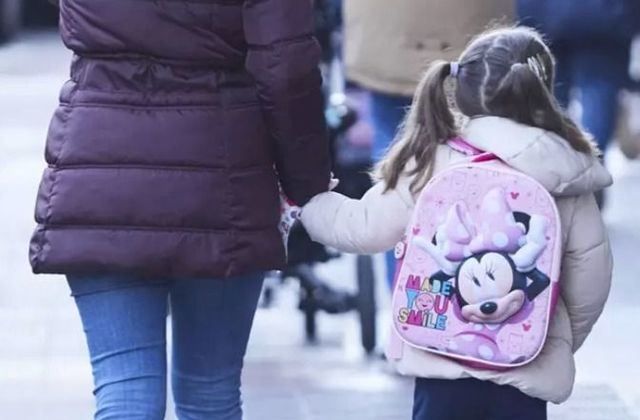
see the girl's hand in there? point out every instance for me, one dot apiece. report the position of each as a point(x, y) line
point(333, 183)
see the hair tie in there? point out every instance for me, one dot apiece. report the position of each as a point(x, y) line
point(454, 69)
point(536, 65)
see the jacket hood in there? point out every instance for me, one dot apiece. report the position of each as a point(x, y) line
point(540, 154)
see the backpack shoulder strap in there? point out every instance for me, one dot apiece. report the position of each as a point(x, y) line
point(459, 144)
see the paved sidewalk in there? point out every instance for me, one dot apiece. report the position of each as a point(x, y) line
point(44, 373)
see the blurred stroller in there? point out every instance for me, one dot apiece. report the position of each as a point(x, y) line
point(350, 139)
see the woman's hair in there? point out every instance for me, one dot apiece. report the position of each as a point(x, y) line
point(505, 72)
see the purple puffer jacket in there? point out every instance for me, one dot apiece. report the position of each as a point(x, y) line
point(161, 154)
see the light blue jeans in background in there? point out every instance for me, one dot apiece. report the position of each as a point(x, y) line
point(387, 113)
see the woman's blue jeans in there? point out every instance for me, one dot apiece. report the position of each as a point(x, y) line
point(124, 321)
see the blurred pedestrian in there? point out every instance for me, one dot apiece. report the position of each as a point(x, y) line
point(591, 40)
point(627, 132)
point(328, 17)
point(503, 83)
point(386, 49)
point(161, 187)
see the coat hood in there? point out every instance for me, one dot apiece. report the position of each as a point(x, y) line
point(540, 154)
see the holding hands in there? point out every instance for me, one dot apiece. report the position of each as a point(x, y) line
point(290, 212)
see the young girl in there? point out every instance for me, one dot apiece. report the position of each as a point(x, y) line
point(503, 83)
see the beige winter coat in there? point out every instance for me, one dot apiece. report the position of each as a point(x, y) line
point(388, 44)
point(377, 222)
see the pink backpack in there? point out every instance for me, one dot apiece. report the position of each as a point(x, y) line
point(478, 273)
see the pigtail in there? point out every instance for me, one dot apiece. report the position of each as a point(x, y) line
point(428, 123)
point(524, 96)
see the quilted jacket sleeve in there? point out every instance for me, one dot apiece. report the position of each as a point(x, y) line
point(375, 223)
point(586, 268)
point(283, 58)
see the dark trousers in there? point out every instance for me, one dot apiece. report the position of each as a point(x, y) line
point(472, 399)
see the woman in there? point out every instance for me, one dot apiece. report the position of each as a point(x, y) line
point(161, 186)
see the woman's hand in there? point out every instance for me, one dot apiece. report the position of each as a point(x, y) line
point(290, 212)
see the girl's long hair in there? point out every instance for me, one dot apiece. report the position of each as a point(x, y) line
point(505, 72)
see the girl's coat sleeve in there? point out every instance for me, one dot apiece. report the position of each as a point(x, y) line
point(372, 224)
